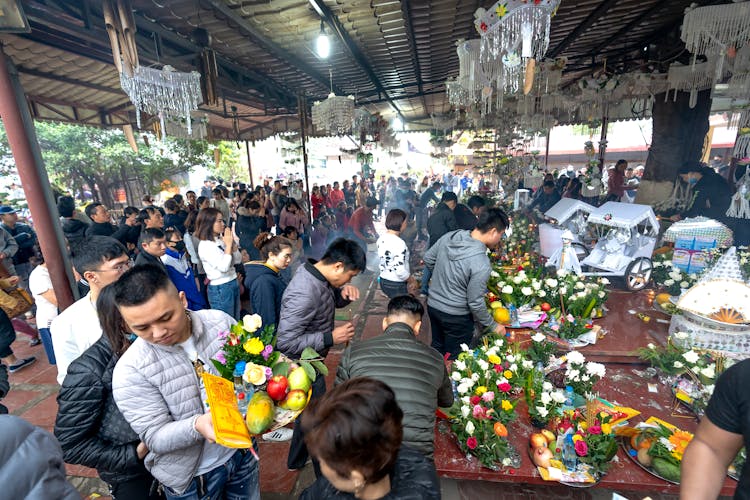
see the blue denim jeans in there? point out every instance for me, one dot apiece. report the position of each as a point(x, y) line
point(425, 285)
point(225, 297)
point(46, 337)
point(237, 479)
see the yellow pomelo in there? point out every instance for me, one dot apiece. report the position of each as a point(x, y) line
point(501, 315)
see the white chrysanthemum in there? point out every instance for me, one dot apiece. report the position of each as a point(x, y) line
point(510, 358)
point(558, 397)
point(470, 428)
point(596, 369)
point(542, 293)
point(466, 400)
point(513, 367)
point(543, 412)
point(709, 372)
point(459, 365)
point(494, 274)
point(576, 358)
point(465, 347)
point(527, 364)
point(517, 280)
point(527, 291)
point(551, 282)
point(538, 337)
point(585, 377)
point(483, 364)
point(691, 357)
point(573, 374)
point(579, 285)
point(668, 282)
point(601, 295)
point(678, 365)
point(684, 284)
point(474, 377)
point(563, 290)
point(462, 388)
point(456, 376)
point(507, 289)
point(561, 273)
point(547, 386)
point(546, 398)
point(604, 281)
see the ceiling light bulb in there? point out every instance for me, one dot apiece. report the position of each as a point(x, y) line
point(322, 44)
point(397, 124)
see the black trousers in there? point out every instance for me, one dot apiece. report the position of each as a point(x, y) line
point(138, 488)
point(393, 288)
point(297, 449)
point(7, 335)
point(449, 331)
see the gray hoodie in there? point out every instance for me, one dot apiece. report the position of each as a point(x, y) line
point(460, 270)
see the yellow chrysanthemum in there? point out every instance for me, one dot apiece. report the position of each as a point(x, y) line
point(506, 405)
point(577, 437)
point(253, 346)
point(677, 455)
point(680, 440)
point(583, 426)
point(508, 374)
point(494, 359)
point(606, 429)
point(480, 390)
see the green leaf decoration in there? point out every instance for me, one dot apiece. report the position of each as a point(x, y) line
point(281, 368)
point(309, 353)
point(320, 366)
point(309, 370)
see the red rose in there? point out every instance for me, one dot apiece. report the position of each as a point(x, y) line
point(474, 400)
point(471, 442)
point(504, 386)
point(498, 368)
point(582, 449)
point(595, 429)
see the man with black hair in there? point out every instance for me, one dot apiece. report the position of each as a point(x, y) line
point(361, 224)
point(442, 221)
point(460, 270)
point(414, 371)
point(101, 223)
point(466, 216)
point(158, 388)
point(151, 217)
point(308, 309)
point(100, 260)
point(546, 199)
point(73, 229)
point(175, 217)
point(130, 227)
point(152, 245)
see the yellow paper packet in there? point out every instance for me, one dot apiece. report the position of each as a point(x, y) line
point(229, 426)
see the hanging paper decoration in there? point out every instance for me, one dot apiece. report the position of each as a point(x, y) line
point(692, 78)
point(713, 30)
point(742, 144)
point(513, 32)
point(165, 93)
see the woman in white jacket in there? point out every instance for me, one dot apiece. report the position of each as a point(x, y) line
point(219, 254)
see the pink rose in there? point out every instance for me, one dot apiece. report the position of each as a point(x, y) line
point(479, 412)
point(582, 448)
point(595, 429)
point(488, 396)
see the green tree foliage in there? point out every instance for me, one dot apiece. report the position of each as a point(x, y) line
point(230, 167)
point(76, 156)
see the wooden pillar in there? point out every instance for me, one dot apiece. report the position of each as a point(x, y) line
point(19, 127)
point(302, 112)
point(249, 165)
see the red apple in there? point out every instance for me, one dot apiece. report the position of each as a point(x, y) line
point(277, 387)
point(545, 307)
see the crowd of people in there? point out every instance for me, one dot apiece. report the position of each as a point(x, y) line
point(158, 287)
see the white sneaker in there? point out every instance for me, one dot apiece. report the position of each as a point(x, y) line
point(280, 434)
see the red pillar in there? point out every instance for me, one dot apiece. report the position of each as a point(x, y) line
point(19, 127)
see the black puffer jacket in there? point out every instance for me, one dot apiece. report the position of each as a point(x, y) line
point(89, 426)
point(74, 230)
point(442, 221)
point(413, 478)
point(416, 373)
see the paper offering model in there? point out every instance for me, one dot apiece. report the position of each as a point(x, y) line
point(565, 257)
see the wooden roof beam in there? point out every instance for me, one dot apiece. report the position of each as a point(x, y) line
point(595, 15)
point(413, 45)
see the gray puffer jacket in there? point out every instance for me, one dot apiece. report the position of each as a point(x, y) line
point(308, 310)
point(416, 373)
point(157, 390)
point(31, 463)
point(460, 270)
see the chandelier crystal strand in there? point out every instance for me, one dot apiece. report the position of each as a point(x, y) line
point(711, 29)
point(166, 93)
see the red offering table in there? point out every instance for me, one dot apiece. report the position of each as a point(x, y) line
point(621, 386)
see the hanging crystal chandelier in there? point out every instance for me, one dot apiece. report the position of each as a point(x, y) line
point(335, 115)
point(165, 93)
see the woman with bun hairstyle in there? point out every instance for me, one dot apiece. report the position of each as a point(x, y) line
point(262, 278)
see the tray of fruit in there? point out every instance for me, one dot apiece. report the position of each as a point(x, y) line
point(279, 402)
point(657, 447)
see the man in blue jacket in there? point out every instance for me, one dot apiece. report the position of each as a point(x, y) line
point(308, 309)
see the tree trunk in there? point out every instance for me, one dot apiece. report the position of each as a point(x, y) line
point(678, 134)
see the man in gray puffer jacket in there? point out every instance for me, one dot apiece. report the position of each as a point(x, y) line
point(414, 371)
point(308, 309)
point(460, 270)
point(158, 388)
